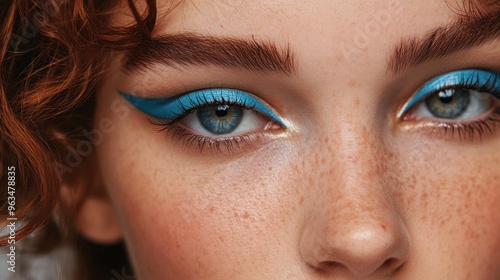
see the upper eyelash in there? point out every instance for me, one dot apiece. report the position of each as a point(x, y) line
point(183, 105)
point(473, 81)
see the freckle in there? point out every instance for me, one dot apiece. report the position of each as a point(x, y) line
point(352, 84)
point(331, 149)
point(211, 209)
point(467, 205)
point(296, 191)
point(301, 202)
point(424, 198)
point(356, 101)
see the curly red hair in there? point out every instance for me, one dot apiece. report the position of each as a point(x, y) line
point(51, 57)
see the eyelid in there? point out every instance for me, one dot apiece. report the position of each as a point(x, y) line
point(468, 77)
point(169, 108)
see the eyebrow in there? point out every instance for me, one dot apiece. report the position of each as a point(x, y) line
point(183, 49)
point(463, 34)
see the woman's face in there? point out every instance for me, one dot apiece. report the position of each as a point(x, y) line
point(313, 143)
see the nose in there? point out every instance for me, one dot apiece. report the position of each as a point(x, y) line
point(358, 245)
point(355, 229)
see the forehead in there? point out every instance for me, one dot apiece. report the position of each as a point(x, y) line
point(281, 17)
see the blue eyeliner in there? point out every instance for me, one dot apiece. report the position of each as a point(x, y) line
point(469, 78)
point(171, 108)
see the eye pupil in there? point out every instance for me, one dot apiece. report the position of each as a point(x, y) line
point(222, 111)
point(447, 95)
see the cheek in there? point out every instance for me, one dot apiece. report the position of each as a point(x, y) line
point(216, 224)
point(453, 201)
point(186, 218)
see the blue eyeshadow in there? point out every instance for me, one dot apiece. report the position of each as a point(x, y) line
point(469, 78)
point(173, 107)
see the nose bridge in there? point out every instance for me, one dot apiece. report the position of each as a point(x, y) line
point(353, 179)
point(356, 159)
point(355, 226)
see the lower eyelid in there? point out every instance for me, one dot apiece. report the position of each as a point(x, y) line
point(215, 146)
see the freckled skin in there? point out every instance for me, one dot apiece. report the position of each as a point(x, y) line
point(346, 194)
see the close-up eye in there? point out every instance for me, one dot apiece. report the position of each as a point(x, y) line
point(459, 99)
point(224, 120)
point(216, 115)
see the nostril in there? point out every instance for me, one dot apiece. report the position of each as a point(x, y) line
point(389, 262)
point(391, 265)
point(388, 267)
point(329, 263)
point(329, 266)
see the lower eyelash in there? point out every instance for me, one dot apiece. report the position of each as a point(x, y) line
point(221, 145)
point(471, 131)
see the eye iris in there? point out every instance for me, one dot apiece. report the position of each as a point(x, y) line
point(448, 103)
point(220, 119)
